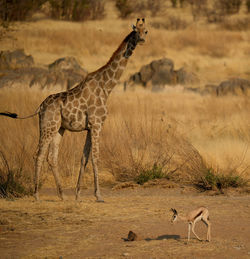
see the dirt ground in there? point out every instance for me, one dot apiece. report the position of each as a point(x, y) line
point(87, 229)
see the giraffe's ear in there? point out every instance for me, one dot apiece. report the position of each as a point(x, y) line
point(174, 211)
point(133, 27)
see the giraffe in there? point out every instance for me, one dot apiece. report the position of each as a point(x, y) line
point(82, 108)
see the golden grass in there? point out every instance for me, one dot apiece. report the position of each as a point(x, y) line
point(204, 49)
point(143, 128)
point(217, 128)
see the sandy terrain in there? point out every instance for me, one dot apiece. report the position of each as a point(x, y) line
point(86, 229)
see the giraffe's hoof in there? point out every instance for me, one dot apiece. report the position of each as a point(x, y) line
point(61, 197)
point(99, 200)
point(37, 197)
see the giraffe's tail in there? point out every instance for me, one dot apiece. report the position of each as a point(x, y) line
point(15, 116)
point(12, 115)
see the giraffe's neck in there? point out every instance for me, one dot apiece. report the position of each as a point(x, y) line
point(109, 75)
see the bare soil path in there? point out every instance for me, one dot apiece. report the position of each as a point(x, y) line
point(69, 229)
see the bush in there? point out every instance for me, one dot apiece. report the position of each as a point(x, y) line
point(240, 24)
point(198, 8)
point(18, 10)
point(248, 5)
point(127, 7)
point(124, 7)
point(154, 6)
point(174, 3)
point(156, 172)
point(171, 23)
point(143, 148)
point(212, 180)
point(13, 181)
point(77, 10)
point(226, 7)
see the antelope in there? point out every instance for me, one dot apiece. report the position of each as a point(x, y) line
point(194, 216)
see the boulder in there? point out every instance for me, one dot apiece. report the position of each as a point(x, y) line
point(64, 73)
point(15, 59)
point(209, 89)
point(234, 86)
point(159, 73)
point(185, 76)
point(68, 64)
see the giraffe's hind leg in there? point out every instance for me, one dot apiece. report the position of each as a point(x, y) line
point(84, 162)
point(40, 156)
point(53, 160)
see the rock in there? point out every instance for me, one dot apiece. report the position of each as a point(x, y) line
point(210, 89)
point(64, 73)
point(234, 86)
point(159, 73)
point(15, 59)
point(185, 76)
point(49, 79)
point(68, 64)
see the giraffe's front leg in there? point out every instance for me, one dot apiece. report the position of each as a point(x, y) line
point(95, 133)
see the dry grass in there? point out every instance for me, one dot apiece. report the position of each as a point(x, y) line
point(142, 127)
point(204, 48)
point(181, 133)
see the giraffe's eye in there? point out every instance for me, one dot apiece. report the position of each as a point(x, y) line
point(146, 32)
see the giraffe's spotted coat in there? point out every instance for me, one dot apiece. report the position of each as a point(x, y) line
point(82, 108)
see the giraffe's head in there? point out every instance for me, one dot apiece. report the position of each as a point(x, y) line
point(140, 30)
point(137, 36)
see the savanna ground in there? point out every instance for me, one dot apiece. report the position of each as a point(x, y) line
point(50, 228)
point(189, 137)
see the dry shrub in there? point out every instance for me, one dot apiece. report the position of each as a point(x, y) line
point(144, 132)
point(171, 23)
point(15, 175)
point(248, 5)
point(141, 142)
point(213, 179)
point(239, 24)
point(128, 7)
point(227, 7)
point(198, 8)
point(12, 10)
point(77, 10)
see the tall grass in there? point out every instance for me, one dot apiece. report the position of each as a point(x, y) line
point(178, 133)
point(142, 139)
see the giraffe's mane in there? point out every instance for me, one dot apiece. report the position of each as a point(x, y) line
point(115, 53)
